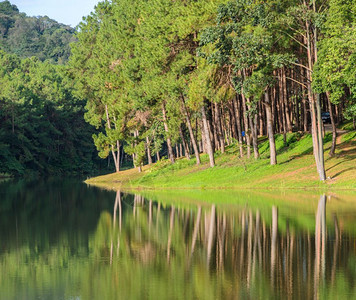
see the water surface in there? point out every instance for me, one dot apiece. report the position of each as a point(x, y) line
point(60, 239)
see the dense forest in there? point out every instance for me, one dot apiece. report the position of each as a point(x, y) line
point(34, 36)
point(194, 76)
point(174, 78)
point(42, 128)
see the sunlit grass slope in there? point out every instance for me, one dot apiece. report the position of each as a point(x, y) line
point(295, 169)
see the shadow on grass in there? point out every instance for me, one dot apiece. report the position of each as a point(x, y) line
point(343, 171)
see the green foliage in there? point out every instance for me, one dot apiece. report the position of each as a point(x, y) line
point(34, 36)
point(335, 69)
point(42, 125)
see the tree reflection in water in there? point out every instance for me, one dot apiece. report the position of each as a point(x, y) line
point(145, 249)
point(254, 256)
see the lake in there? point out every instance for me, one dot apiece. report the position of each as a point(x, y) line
point(60, 239)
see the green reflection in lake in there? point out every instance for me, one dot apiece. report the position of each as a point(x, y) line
point(63, 240)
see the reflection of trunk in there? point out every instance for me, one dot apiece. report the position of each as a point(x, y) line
point(207, 137)
point(249, 249)
point(211, 233)
point(157, 217)
point(150, 214)
point(221, 241)
point(117, 202)
point(169, 143)
point(256, 245)
point(274, 242)
point(243, 230)
point(336, 248)
point(320, 244)
point(196, 230)
point(170, 234)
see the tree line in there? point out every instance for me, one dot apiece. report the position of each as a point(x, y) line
point(42, 128)
point(186, 77)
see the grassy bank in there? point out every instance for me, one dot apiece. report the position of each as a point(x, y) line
point(295, 169)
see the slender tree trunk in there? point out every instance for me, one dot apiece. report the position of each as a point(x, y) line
point(117, 166)
point(253, 126)
point(135, 155)
point(285, 100)
point(220, 133)
point(112, 146)
point(238, 124)
point(186, 149)
point(207, 137)
point(149, 157)
point(333, 125)
point(247, 133)
point(177, 151)
point(232, 117)
point(191, 133)
point(214, 129)
point(282, 108)
point(272, 144)
point(169, 143)
point(315, 113)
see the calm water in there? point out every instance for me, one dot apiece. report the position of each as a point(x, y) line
point(64, 240)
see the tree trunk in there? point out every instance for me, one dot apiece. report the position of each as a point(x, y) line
point(112, 146)
point(148, 150)
point(220, 133)
point(285, 100)
point(315, 113)
point(207, 137)
point(272, 144)
point(253, 126)
point(282, 108)
point(247, 133)
point(191, 133)
point(333, 125)
point(169, 143)
point(135, 155)
point(186, 149)
point(238, 124)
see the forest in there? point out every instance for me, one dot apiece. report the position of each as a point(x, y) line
point(166, 79)
point(42, 129)
point(27, 36)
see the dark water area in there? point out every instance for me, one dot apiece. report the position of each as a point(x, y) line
point(60, 239)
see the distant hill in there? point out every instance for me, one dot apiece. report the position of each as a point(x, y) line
point(34, 36)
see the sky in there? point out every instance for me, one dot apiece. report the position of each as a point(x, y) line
point(69, 12)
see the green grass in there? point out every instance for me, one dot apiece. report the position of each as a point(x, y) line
point(295, 168)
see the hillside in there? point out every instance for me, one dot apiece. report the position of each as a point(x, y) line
point(34, 36)
point(295, 169)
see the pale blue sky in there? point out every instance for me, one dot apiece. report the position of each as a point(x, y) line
point(69, 12)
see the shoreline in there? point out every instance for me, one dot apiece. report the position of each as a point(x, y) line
point(295, 170)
